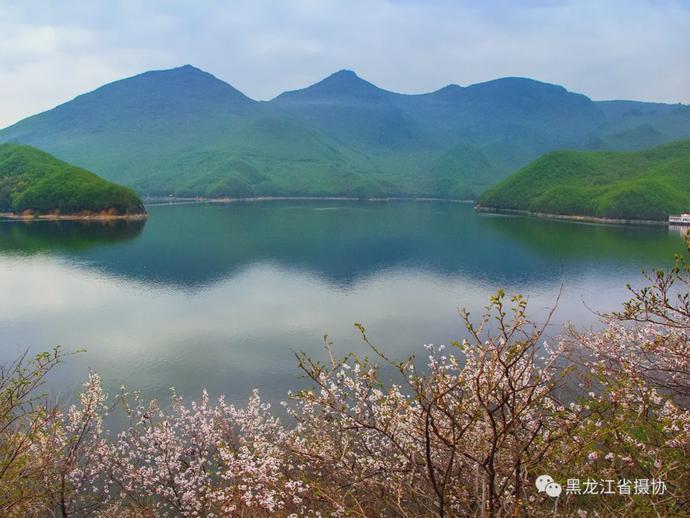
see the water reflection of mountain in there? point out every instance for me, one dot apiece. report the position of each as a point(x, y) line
point(576, 241)
point(194, 245)
point(31, 237)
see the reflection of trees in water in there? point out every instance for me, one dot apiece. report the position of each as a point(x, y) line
point(28, 237)
point(650, 245)
point(194, 246)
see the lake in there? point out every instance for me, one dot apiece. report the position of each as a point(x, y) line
point(219, 296)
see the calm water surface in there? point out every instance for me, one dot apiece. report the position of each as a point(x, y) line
point(219, 296)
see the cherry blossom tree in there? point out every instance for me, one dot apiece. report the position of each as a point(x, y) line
point(466, 431)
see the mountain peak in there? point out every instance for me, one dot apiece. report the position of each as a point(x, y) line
point(185, 69)
point(346, 79)
point(343, 84)
point(344, 74)
point(181, 73)
point(447, 92)
point(151, 94)
point(174, 86)
point(189, 70)
point(518, 84)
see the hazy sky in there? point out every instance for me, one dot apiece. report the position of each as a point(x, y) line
point(51, 51)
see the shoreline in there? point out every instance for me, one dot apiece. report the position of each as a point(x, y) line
point(570, 217)
point(72, 217)
point(153, 201)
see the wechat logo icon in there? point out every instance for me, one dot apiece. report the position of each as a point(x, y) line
point(546, 484)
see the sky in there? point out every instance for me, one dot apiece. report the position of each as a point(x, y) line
point(53, 51)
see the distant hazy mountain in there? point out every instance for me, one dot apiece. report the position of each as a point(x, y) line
point(647, 185)
point(185, 132)
point(355, 112)
point(632, 125)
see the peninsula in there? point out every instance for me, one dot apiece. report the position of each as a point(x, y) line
point(641, 186)
point(35, 184)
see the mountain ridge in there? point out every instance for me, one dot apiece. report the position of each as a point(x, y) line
point(184, 131)
point(345, 71)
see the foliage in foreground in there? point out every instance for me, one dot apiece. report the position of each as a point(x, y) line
point(466, 433)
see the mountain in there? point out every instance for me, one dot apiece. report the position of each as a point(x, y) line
point(516, 101)
point(511, 120)
point(354, 112)
point(632, 125)
point(506, 122)
point(185, 132)
point(344, 85)
point(32, 180)
point(642, 185)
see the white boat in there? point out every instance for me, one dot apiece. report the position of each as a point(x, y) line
point(683, 219)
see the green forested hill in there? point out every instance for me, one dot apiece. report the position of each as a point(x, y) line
point(33, 180)
point(649, 184)
point(185, 132)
